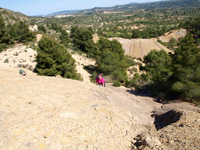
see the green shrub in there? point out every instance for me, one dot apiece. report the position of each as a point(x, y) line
point(83, 40)
point(172, 43)
point(186, 69)
point(19, 65)
point(42, 28)
point(6, 60)
point(138, 82)
point(64, 37)
point(30, 67)
point(117, 83)
point(16, 54)
point(93, 77)
point(198, 41)
point(175, 75)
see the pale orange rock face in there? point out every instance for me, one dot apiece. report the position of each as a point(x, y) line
point(140, 47)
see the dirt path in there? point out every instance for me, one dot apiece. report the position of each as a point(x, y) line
point(82, 61)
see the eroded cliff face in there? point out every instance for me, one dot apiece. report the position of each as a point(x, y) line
point(176, 34)
point(140, 47)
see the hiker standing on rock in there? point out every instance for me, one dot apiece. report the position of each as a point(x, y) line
point(100, 80)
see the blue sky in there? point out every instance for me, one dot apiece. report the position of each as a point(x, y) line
point(42, 7)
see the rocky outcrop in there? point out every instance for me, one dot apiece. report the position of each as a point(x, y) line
point(177, 127)
point(140, 47)
point(33, 28)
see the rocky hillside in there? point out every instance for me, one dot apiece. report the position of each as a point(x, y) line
point(53, 113)
point(11, 17)
point(140, 47)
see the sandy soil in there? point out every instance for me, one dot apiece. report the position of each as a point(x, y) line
point(81, 61)
point(18, 56)
point(53, 113)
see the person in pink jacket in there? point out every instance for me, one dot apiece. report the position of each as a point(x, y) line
point(100, 80)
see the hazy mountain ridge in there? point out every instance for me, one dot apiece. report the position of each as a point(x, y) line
point(130, 6)
point(65, 12)
point(151, 5)
point(95, 9)
point(170, 3)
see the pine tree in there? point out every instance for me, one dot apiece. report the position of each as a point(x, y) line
point(64, 37)
point(111, 60)
point(83, 39)
point(158, 65)
point(186, 62)
point(53, 59)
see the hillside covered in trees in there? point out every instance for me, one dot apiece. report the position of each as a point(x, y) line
point(174, 75)
point(13, 28)
point(146, 20)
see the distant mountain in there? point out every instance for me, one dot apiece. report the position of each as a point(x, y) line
point(149, 5)
point(114, 8)
point(65, 12)
point(38, 16)
point(130, 6)
point(170, 3)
